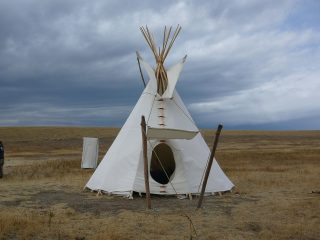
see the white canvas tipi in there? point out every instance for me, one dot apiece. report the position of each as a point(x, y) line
point(177, 152)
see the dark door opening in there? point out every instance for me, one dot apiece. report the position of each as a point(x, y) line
point(162, 164)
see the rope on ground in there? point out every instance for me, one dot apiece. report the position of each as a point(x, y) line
point(191, 226)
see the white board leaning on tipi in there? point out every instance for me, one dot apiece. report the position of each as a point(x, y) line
point(177, 152)
point(90, 152)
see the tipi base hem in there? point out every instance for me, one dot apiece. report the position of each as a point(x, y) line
point(129, 194)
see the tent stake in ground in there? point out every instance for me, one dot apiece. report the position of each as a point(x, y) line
point(145, 160)
point(213, 152)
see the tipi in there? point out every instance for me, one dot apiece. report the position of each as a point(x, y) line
point(177, 152)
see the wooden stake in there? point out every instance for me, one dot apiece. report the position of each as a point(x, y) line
point(205, 180)
point(145, 160)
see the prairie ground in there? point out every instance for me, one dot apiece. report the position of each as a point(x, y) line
point(277, 176)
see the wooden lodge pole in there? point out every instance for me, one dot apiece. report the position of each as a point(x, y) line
point(205, 180)
point(145, 160)
point(141, 74)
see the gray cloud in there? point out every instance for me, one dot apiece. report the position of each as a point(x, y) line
point(250, 63)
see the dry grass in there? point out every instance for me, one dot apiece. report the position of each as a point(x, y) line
point(274, 173)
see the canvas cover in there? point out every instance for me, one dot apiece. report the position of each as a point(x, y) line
point(90, 152)
point(121, 169)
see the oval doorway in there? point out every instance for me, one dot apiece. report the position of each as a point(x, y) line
point(162, 164)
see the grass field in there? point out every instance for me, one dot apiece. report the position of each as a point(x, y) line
point(277, 176)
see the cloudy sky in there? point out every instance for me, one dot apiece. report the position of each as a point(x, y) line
point(251, 64)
